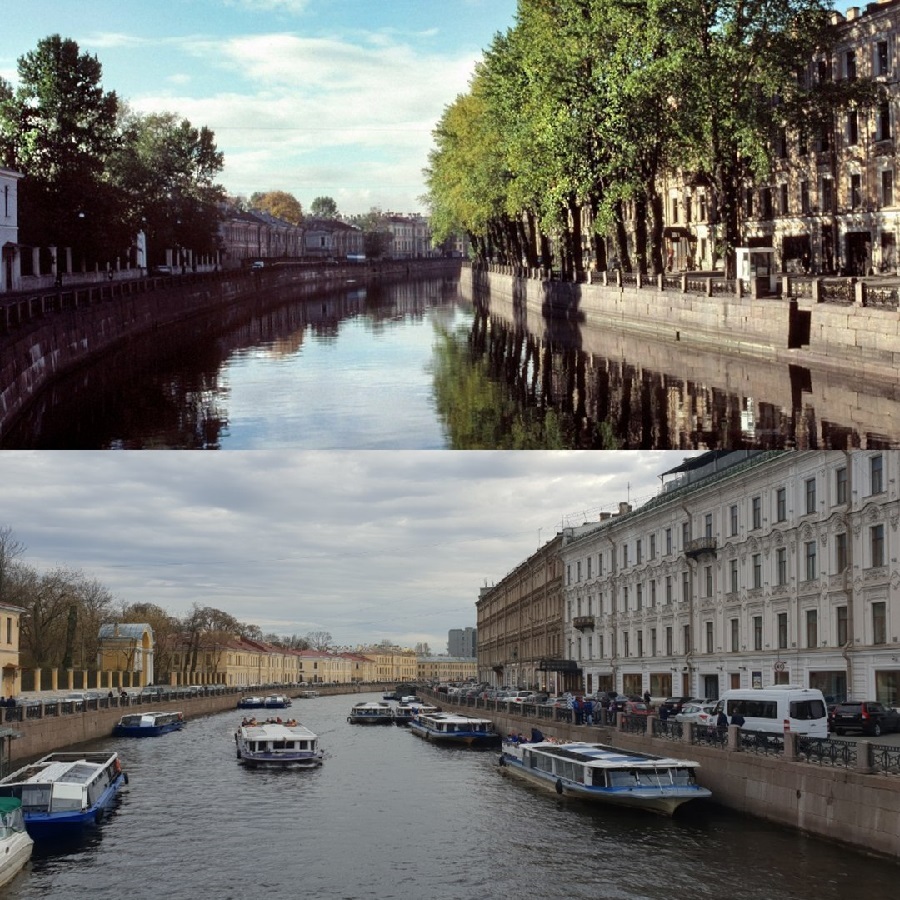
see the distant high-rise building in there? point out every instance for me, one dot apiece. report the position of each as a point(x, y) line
point(462, 641)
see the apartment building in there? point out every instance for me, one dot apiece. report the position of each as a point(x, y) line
point(751, 568)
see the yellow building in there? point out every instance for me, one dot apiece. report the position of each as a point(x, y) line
point(446, 668)
point(9, 649)
point(127, 647)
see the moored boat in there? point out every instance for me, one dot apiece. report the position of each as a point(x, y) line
point(251, 703)
point(598, 772)
point(408, 708)
point(63, 793)
point(277, 701)
point(15, 842)
point(277, 745)
point(148, 724)
point(371, 712)
point(449, 728)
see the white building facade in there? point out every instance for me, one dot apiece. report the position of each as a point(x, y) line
point(749, 569)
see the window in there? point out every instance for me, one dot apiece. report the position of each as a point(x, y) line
point(625, 646)
point(840, 485)
point(685, 534)
point(887, 187)
point(781, 565)
point(876, 533)
point(685, 587)
point(781, 504)
point(757, 633)
point(876, 473)
point(855, 190)
point(812, 628)
point(840, 552)
point(668, 640)
point(757, 570)
point(652, 546)
point(766, 200)
point(653, 592)
point(810, 556)
point(668, 588)
point(709, 637)
point(781, 143)
point(9, 623)
point(782, 631)
point(827, 195)
point(733, 516)
point(756, 506)
point(653, 642)
point(783, 188)
point(804, 197)
point(624, 599)
point(590, 559)
point(708, 525)
point(578, 570)
point(810, 495)
point(733, 567)
point(569, 574)
point(850, 65)
point(842, 623)
point(686, 638)
point(883, 123)
point(708, 573)
point(852, 128)
point(600, 564)
point(638, 555)
point(640, 643)
point(624, 556)
point(882, 60)
point(735, 635)
point(639, 597)
point(668, 542)
point(879, 623)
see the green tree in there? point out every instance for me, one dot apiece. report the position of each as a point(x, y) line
point(323, 208)
point(59, 127)
point(377, 237)
point(167, 170)
point(278, 203)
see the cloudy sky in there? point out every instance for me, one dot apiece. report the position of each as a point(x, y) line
point(314, 97)
point(365, 545)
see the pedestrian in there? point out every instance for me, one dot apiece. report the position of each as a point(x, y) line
point(647, 697)
point(578, 709)
point(722, 723)
point(664, 713)
point(588, 711)
point(737, 719)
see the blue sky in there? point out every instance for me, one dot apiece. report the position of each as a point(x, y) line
point(366, 546)
point(314, 97)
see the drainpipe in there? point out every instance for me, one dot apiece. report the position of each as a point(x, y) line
point(848, 577)
point(689, 653)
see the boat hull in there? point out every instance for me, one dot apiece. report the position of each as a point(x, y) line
point(15, 851)
point(460, 739)
point(262, 760)
point(47, 826)
point(146, 730)
point(664, 800)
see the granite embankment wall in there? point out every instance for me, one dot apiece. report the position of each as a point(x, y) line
point(842, 805)
point(42, 341)
point(854, 339)
point(49, 733)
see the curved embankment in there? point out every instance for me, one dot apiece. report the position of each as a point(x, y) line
point(52, 334)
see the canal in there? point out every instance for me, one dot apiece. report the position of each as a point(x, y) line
point(412, 365)
point(389, 816)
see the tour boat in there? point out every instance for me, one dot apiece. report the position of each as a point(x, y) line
point(15, 842)
point(148, 724)
point(63, 793)
point(372, 712)
point(449, 728)
point(277, 745)
point(276, 701)
point(251, 703)
point(409, 707)
point(605, 774)
point(308, 695)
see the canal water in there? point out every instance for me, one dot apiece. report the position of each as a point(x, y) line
point(390, 816)
point(412, 365)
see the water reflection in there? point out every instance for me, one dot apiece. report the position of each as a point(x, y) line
point(413, 365)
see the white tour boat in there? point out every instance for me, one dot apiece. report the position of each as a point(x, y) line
point(408, 708)
point(277, 744)
point(15, 842)
point(371, 712)
point(450, 728)
point(605, 774)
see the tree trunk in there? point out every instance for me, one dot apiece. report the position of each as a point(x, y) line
point(620, 239)
point(640, 233)
point(577, 257)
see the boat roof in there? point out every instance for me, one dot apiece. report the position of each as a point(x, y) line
point(266, 731)
point(454, 717)
point(372, 704)
point(65, 767)
point(604, 756)
point(148, 718)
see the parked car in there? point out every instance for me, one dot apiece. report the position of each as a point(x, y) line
point(674, 705)
point(701, 714)
point(867, 716)
point(519, 697)
point(635, 708)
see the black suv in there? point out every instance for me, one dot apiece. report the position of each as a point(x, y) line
point(673, 705)
point(866, 716)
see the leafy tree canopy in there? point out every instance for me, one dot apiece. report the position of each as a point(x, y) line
point(278, 203)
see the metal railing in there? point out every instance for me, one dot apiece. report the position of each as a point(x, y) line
point(828, 751)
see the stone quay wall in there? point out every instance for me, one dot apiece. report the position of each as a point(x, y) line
point(45, 336)
point(847, 338)
point(847, 806)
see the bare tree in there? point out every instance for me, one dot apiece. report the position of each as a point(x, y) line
point(319, 640)
point(10, 551)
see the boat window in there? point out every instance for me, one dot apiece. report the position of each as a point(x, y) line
point(599, 778)
point(65, 797)
point(620, 778)
point(35, 797)
point(683, 776)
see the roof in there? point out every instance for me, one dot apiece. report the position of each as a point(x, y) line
point(124, 630)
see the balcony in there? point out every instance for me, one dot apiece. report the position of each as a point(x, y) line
point(582, 623)
point(700, 547)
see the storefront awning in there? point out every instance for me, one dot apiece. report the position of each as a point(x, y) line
point(558, 665)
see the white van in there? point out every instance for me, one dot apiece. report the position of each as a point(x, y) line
point(777, 709)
